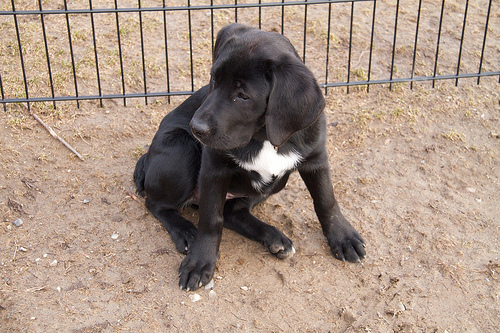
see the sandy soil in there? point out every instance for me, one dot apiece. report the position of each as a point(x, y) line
point(415, 171)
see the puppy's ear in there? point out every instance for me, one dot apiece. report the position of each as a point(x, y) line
point(225, 35)
point(295, 101)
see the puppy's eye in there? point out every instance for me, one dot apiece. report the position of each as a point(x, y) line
point(243, 97)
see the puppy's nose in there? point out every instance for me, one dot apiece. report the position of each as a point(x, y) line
point(199, 129)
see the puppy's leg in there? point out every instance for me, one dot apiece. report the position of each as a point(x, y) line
point(345, 242)
point(198, 267)
point(181, 230)
point(237, 217)
point(170, 181)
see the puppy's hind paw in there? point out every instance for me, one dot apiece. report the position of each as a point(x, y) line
point(183, 239)
point(281, 248)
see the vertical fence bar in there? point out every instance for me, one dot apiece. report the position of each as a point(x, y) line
point(350, 47)
point(142, 54)
point(21, 55)
point(120, 52)
point(371, 46)
point(305, 33)
point(3, 95)
point(394, 43)
point(47, 52)
point(415, 44)
point(462, 41)
point(282, 18)
point(190, 46)
point(236, 11)
point(328, 45)
point(95, 51)
point(165, 34)
point(260, 14)
point(212, 23)
point(484, 42)
point(71, 53)
point(438, 42)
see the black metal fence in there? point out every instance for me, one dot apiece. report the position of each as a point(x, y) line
point(61, 51)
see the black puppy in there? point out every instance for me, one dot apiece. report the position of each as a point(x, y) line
point(234, 143)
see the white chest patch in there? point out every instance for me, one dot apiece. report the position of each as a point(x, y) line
point(270, 165)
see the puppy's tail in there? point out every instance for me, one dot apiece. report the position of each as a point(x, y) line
point(140, 175)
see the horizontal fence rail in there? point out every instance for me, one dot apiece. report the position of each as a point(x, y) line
point(101, 50)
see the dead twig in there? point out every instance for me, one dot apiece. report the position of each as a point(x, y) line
point(133, 196)
point(32, 290)
point(54, 134)
point(15, 206)
point(14, 256)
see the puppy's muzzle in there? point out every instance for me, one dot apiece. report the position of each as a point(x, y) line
point(200, 129)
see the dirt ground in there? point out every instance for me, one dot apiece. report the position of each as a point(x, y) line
point(416, 172)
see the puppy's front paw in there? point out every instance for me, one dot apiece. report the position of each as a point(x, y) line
point(196, 270)
point(347, 244)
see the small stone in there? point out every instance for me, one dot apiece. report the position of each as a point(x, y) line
point(59, 289)
point(401, 307)
point(471, 189)
point(210, 285)
point(18, 223)
point(86, 200)
point(194, 297)
point(348, 315)
point(396, 308)
point(53, 263)
point(212, 294)
point(244, 288)
point(23, 249)
point(115, 235)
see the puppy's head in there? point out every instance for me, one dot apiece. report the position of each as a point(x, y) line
point(257, 81)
